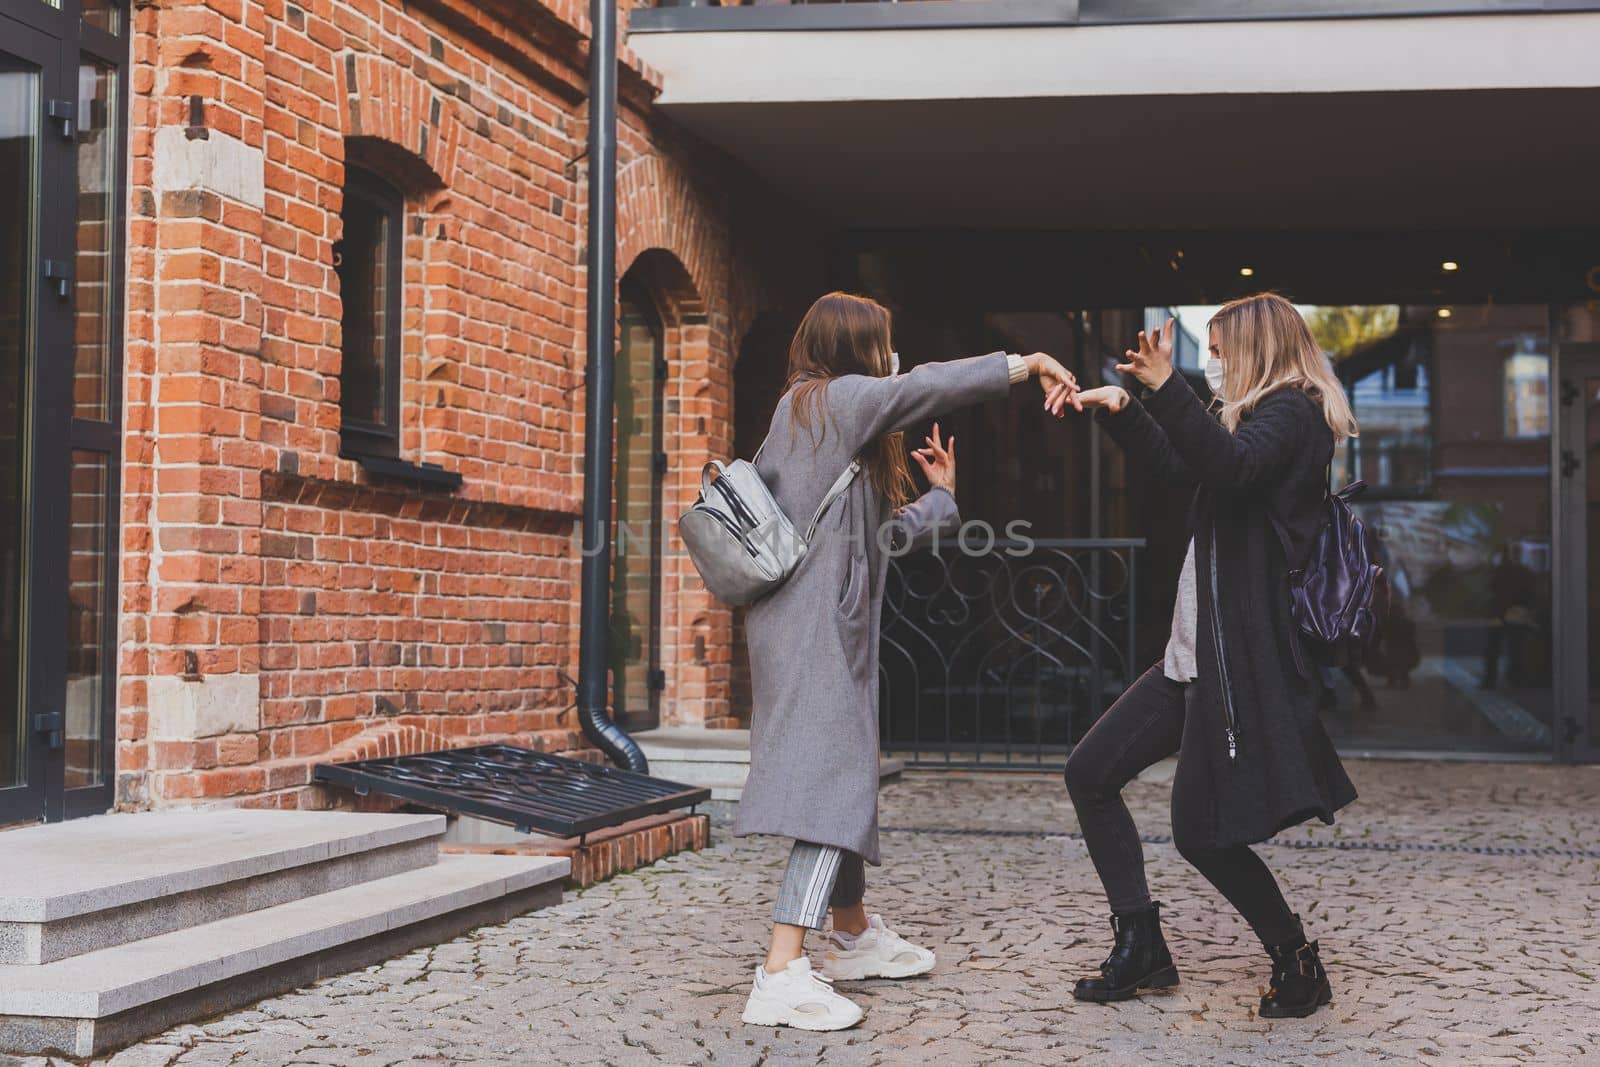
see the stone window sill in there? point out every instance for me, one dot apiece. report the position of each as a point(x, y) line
point(422, 476)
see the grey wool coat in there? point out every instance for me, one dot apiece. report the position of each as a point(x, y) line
point(814, 640)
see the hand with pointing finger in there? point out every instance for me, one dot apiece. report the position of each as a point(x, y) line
point(1152, 363)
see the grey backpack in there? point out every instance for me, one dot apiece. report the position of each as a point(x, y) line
point(741, 542)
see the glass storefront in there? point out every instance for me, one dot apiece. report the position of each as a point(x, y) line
point(1455, 412)
point(1457, 404)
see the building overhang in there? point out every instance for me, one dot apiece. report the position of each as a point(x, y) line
point(1447, 120)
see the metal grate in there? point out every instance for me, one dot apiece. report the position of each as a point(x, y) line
point(518, 786)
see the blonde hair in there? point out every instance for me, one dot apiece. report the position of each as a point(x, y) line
point(1266, 346)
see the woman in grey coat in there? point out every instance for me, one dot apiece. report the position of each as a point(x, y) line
point(814, 641)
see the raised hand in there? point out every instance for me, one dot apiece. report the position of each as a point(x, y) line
point(1059, 384)
point(1152, 363)
point(938, 461)
point(1111, 397)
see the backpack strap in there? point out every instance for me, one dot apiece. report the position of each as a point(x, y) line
point(1283, 539)
point(835, 491)
point(1289, 569)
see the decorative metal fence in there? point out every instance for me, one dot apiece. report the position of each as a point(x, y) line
point(1004, 656)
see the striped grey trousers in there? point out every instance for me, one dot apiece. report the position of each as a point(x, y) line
point(818, 877)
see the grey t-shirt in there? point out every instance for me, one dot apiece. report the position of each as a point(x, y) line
point(1179, 662)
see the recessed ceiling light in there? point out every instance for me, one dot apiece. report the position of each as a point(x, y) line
point(1444, 313)
point(1245, 272)
point(1449, 264)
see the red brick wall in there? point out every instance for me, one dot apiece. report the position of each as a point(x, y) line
point(277, 602)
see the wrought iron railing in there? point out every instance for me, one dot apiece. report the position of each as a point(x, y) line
point(1004, 656)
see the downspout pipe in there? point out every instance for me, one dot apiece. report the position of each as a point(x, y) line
point(595, 605)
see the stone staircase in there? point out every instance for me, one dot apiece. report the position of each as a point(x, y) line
point(715, 759)
point(117, 927)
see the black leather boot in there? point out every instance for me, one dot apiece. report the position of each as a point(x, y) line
point(1299, 982)
point(1138, 960)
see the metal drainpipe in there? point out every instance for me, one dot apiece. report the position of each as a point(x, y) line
point(594, 615)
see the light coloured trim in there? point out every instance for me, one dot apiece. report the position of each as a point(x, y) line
point(1333, 56)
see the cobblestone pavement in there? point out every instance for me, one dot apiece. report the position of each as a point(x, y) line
point(1457, 905)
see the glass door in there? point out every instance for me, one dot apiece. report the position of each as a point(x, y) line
point(62, 166)
point(1578, 456)
point(1455, 410)
point(641, 467)
point(32, 319)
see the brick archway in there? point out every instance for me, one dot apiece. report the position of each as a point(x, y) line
point(697, 427)
point(659, 213)
point(386, 103)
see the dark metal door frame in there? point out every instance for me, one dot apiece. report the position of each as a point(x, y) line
point(39, 684)
point(1577, 740)
point(56, 40)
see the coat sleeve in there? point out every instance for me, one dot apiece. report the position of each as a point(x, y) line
point(1143, 439)
point(866, 408)
point(1258, 454)
point(932, 514)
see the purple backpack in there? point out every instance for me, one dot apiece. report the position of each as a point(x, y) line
point(1340, 598)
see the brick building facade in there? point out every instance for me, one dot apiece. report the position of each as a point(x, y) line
point(285, 599)
point(291, 358)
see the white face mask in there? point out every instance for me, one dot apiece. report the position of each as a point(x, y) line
point(894, 363)
point(1214, 375)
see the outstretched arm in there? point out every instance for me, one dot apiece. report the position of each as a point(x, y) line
point(1257, 454)
point(867, 407)
point(1137, 434)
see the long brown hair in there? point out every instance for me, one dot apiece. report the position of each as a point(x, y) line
point(1266, 345)
point(844, 334)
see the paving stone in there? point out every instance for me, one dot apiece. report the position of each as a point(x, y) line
point(1445, 945)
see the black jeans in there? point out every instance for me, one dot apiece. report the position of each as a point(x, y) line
point(1143, 726)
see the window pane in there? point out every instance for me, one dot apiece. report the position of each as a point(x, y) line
point(363, 258)
point(86, 597)
point(633, 612)
point(19, 147)
point(1455, 447)
point(102, 15)
point(97, 228)
point(1591, 520)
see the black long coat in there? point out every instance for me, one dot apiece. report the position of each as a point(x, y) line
point(1283, 769)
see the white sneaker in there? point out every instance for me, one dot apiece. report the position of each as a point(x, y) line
point(797, 997)
point(877, 952)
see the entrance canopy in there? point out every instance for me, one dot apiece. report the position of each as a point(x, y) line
point(1474, 122)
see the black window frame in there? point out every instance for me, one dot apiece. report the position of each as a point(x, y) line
point(359, 438)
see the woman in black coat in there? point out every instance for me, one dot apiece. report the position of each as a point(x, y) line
point(1229, 696)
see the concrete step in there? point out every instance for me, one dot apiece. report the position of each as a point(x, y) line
point(100, 1000)
point(725, 780)
point(715, 759)
point(695, 745)
point(75, 887)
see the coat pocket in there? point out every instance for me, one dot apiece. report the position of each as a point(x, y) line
point(852, 586)
point(855, 621)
